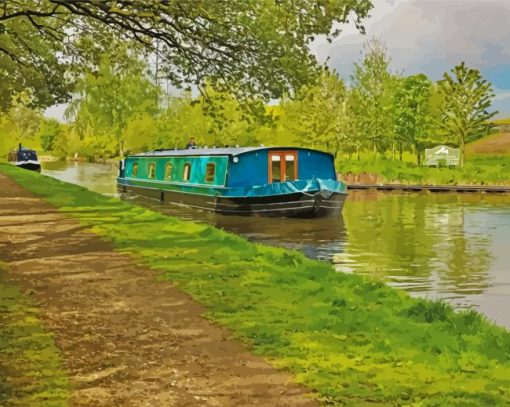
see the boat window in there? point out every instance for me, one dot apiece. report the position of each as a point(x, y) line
point(187, 172)
point(152, 170)
point(275, 168)
point(290, 166)
point(168, 170)
point(282, 166)
point(134, 171)
point(209, 172)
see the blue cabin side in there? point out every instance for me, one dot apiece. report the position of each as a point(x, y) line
point(252, 168)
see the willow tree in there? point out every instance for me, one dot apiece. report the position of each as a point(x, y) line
point(107, 100)
point(467, 98)
point(246, 47)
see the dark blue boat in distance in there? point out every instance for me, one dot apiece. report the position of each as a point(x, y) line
point(25, 158)
point(263, 181)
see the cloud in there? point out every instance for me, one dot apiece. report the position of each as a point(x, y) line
point(431, 37)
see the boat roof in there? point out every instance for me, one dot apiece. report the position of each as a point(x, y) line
point(231, 151)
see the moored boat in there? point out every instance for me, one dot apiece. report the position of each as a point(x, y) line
point(25, 158)
point(265, 181)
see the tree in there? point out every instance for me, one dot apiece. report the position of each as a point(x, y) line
point(20, 124)
point(187, 117)
point(466, 100)
point(412, 113)
point(28, 59)
point(49, 133)
point(109, 99)
point(317, 115)
point(373, 89)
point(260, 46)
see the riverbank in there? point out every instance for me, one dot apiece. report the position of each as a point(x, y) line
point(478, 170)
point(355, 341)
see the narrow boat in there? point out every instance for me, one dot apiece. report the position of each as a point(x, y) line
point(265, 181)
point(25, 158)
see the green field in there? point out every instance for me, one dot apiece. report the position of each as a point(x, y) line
point(354, 340)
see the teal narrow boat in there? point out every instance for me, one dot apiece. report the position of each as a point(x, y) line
point(266, 181)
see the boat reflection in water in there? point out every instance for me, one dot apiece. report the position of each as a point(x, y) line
point(318, 238)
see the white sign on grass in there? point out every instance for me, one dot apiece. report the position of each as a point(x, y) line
point(442, 155)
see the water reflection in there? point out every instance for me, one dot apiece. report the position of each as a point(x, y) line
point(317, 238)
point(422, 242)
point(451, 246)
point(96, 177)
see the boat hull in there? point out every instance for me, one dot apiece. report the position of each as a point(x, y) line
point(308, 204)
point(29, 165)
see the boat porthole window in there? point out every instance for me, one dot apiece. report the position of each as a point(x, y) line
point(187, 172)
point(210, 172)
point(168, 170)
point(152, 170)
point(135, 169)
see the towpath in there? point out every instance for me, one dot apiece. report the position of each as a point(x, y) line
point(126, 339)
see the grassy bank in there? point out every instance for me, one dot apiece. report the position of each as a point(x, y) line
point(354, 340)
point(478, 170)
point(30, 366)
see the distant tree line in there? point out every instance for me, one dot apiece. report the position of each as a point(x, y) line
point(118, 108)
point(51, 50)
point(236, 59)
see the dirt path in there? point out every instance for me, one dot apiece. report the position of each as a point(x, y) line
point(127, 340)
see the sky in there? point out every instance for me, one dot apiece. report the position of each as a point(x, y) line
point(427, 36)
point(431, 37)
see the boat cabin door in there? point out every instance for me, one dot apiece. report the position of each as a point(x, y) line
point(282, 166)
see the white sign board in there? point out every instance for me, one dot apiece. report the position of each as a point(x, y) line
point(442, 155)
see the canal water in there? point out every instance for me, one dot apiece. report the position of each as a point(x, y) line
point(452, 246)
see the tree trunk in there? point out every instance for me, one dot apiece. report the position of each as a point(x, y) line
point(462, 148)
point(400, 152)
point(418, 155)
point(393, 151)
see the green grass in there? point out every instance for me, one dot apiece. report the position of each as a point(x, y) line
point(478, 170)
point(31, 371)
point(354, 340)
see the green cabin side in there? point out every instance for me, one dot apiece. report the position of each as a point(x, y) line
point(196, 170)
